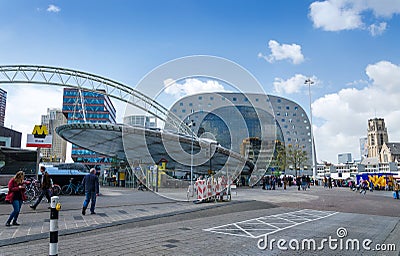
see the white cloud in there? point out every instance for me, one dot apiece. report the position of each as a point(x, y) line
point(332, 16)
point(53, 8)
point(383, 8)
point(191, 86)
point(283, 51)
point(377, 30)
point(292, 85)
point(358, 82)
point(344, 115)
point(385, 76)
point(336, 15)
point(25, 105)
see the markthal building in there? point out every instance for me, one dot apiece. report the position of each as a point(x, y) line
point(229, 134)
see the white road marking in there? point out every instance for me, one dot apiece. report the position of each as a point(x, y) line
point(262, 226)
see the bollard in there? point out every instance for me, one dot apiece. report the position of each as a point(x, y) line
point(54, 208)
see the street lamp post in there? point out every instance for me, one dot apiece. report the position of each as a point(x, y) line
point(191, 162)
point(309, 82)
point(191, 124)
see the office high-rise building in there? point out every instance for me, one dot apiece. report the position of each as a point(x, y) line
point(85, 106)
point(58, 150)
point(3, 99)
point(344, 158)
point(363, 147)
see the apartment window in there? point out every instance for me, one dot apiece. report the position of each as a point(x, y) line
point(181, 104)
point(211, 98)
point(234, 99)
point(200, 97)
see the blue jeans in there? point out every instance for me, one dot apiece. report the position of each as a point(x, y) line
point(45, 192)
point(90, 196)
point(17, 204)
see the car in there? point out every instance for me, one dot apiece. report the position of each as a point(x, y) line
point(3, 194)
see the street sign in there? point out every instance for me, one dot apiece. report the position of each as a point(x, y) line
point(40, 137)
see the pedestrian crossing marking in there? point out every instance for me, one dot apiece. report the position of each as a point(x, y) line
point(266, 225)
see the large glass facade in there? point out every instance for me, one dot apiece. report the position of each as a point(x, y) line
point(95, 108)
point(245, 122)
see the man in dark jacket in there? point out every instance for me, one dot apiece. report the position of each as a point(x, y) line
point(91, 184)
point(45, 188)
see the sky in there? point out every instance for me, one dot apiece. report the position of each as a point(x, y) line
point(349, 48)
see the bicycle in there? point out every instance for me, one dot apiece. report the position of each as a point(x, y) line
point(72, 188)
point(32, 189)
point(56, 190)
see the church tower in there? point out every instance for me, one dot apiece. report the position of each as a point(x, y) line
point(377, 135)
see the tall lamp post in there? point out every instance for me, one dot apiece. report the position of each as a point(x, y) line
point(191, 124)
point(309, 82)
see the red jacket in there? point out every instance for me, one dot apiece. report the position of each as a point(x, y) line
point(13, 187)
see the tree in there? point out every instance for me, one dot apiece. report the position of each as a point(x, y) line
point(280, 157)
point(290, 156)
point(296, 156)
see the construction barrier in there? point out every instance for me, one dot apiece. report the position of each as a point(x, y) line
point(212, 189)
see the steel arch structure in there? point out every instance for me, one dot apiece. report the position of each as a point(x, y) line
point(46, 75)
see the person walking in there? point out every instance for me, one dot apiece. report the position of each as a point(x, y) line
point(16, 196)
point(284, 182)
point(364, 187)
point(298, 182)
point(45, 188)
point(91, 184)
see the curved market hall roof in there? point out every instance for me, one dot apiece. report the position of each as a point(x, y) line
point(147, 145)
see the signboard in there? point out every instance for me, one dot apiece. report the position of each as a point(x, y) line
point(39, 138)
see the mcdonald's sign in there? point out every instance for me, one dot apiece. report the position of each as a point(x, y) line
point(40, 137)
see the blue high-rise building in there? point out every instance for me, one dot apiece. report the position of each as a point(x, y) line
point(87, 107)
point(3, 99)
